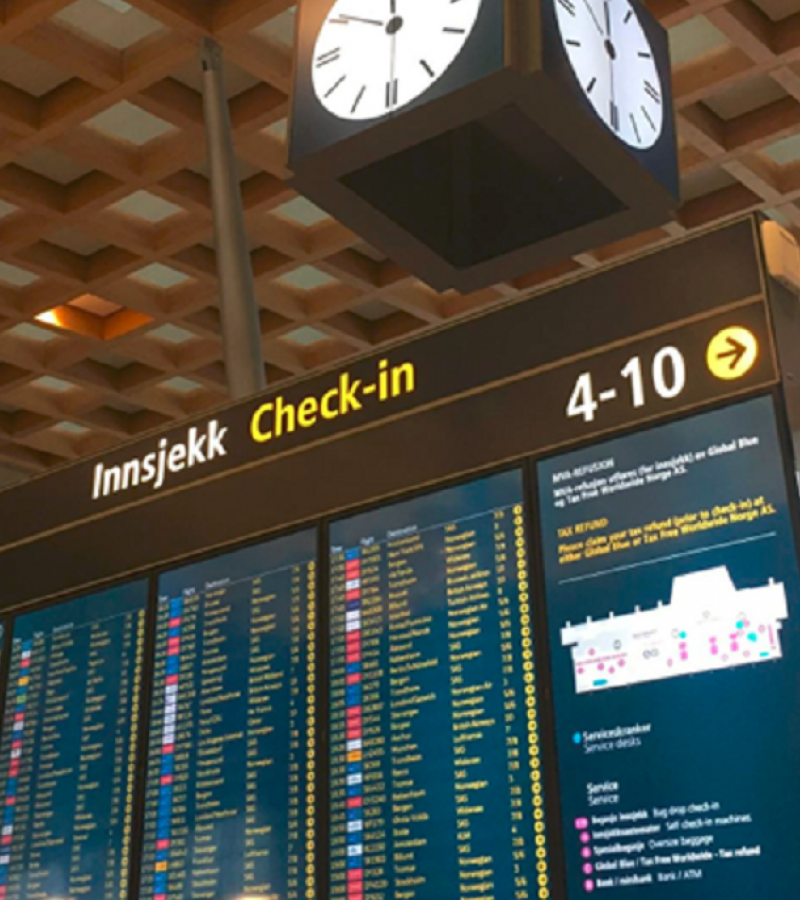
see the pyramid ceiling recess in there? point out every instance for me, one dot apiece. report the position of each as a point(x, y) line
point(109, 323)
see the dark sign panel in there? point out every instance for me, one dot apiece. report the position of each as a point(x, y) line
point(69, 746)
point(230, 796)
point(672, 595)
point(547, 341)
point(436, 787)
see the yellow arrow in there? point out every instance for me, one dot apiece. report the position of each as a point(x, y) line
point(732, 353)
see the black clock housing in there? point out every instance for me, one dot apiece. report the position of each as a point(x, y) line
point(500, 168)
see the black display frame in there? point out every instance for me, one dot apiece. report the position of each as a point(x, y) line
point(526, 466)
point(316, 526)
point(529, 509)
point(8, 620)
point(540, 611)
point(470, 372)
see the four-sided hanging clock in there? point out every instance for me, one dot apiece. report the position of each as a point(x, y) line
point(475, 140)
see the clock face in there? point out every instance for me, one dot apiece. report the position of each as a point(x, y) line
point(614, 64)
point(373, 57)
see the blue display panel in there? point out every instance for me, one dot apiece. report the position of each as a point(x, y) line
point(230, 785)
point(672, 594)
point(435, 779)
point(69, 747)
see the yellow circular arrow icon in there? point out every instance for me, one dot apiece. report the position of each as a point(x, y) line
point(732, 353)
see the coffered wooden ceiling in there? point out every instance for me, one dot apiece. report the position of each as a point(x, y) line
point(109, 321)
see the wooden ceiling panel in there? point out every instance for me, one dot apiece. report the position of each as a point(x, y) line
point(109, 319)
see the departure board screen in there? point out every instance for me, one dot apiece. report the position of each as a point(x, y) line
point(436, 786)
point(672, 595)
point(230, 786)
point(69, 747)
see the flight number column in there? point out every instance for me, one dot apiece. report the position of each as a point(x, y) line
point(340, 677)
point(368, 827)
point(358, 775)
point(310, 624)
point(171, 724)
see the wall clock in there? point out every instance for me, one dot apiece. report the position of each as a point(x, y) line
point(475, 141)
point(374, 58)
point(615, 66)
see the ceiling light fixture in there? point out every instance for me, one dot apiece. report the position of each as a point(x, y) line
point(119, 6)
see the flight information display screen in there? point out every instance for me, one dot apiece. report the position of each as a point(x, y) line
point(229, 810)
point(69, 744)
point(672, 596)
point(435, 779)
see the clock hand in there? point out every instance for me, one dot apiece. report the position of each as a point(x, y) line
point(391, 97)
point(358, 19)
point(612, 55)
point(594, 16)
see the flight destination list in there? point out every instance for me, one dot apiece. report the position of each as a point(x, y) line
point(68, 751)
point(230, 808)
point(436, 787)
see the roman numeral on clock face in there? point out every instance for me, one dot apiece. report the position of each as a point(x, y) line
point(331, 56)
point(652, 92)
point(635, 128)
point(359, 98)
point(391, 93)
point(336, 85)
point(365, 51)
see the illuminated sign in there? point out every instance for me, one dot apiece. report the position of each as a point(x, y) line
point(198, 448)
point(656, 375)
point(732, 353)
point(672, 590)
point(279, 417)
point(276, 418)
point(433, 694)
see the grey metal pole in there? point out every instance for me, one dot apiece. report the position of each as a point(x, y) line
point(241, 332)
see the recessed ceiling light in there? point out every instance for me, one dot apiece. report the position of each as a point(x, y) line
point(181, 385)
point(305, 336)
point(71, 428)
point(118, 5)
point(49, 383)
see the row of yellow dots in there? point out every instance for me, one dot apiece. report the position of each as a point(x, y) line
point(530, 704)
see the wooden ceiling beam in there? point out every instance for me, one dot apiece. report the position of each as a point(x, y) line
point(19, 16)
point(121, 355)
point(89, 61)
